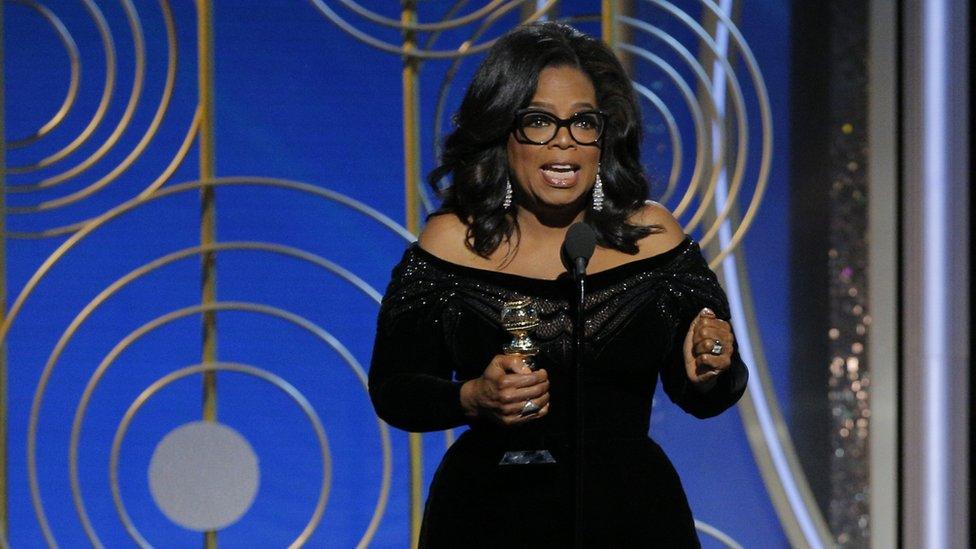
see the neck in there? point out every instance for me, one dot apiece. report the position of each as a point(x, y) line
point(545, 223)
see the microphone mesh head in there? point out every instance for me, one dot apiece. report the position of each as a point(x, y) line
point(580, 241)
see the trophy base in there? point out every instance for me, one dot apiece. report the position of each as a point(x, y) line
point(526, 457)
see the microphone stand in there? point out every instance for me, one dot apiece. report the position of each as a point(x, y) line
point(579, 293)
point(577, 249)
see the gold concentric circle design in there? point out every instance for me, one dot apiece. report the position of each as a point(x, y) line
point(139, 54)
point(703, 138)
point(145, 329)
point(439, 26)
point(137, 202)
point(674, 135)
point(264, 375)
point(71, 48)
point(490, 12)
point(114, 138)
point(121, 283)
point(710, 165)
point(718, 216)
point(134, 95)
point(134, 203)
point(106, 363)
point(160, 180)
point(716, 534)
point(108, 47)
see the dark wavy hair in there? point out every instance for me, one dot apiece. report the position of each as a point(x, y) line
point(475, 154)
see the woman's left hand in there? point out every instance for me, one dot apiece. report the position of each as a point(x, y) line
point(708, 347)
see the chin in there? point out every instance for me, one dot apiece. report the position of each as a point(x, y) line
point(562, 203)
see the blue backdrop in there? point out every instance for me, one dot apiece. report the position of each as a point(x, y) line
point(296, 99)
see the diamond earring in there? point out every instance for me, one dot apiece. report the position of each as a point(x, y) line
point(507, 203)
point(598, 192)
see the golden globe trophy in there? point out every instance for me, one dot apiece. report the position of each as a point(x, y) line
point(519, 318)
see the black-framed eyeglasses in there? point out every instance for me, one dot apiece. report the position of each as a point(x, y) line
point(540, 127)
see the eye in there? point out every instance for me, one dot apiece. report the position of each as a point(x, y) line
point(586, 121)
point(536, 120)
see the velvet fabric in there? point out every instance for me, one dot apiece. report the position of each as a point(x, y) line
point(438, 327)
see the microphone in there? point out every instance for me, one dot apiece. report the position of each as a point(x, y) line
point(576, 253)
point(578, 248)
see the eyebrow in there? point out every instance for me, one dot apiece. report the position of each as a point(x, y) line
point(582, 104)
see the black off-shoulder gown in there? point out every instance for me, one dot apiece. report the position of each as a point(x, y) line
point(438, 327)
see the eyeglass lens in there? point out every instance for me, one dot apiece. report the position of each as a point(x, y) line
point(541, 128)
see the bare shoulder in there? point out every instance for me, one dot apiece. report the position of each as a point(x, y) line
point(655, 214)
point(444, 236)
point(653, 244)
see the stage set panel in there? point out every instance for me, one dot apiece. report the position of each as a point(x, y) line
point(203, 202)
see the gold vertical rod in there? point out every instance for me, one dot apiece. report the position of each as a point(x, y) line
point(411, 124)
point(3, 303)
point(207, 199)
point(208, 228)
point(411, 170)
point(607, 22)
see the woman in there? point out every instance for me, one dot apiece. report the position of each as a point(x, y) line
point(548, 135)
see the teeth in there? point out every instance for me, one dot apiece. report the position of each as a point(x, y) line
point(560, 167)
point(559, 175)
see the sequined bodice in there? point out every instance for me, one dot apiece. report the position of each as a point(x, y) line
point(613, 296)
point(447, 317)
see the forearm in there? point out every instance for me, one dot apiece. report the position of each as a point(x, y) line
point(711, 398)
point(418, 402)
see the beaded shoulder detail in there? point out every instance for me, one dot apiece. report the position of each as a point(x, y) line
point(423, 281)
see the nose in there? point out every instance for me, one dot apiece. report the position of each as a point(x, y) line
point(563, 139)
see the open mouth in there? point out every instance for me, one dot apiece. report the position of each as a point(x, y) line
point(560, 174)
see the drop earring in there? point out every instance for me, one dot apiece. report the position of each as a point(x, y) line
point(507, 203)
point(598, 192)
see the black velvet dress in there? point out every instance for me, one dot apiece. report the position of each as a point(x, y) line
point(438, 327)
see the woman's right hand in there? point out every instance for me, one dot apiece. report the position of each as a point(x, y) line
point(502, 391)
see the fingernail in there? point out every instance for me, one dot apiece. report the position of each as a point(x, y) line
point(707, 312)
